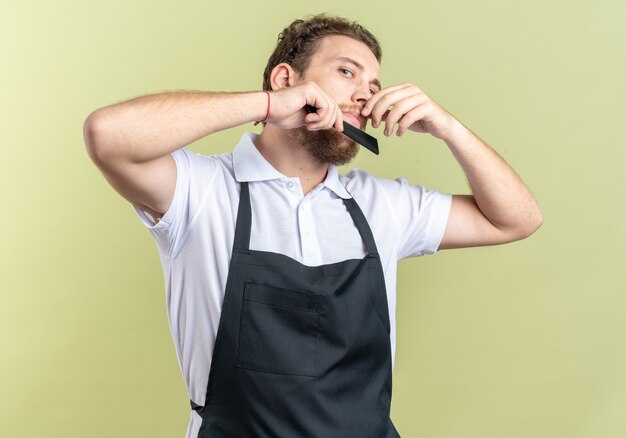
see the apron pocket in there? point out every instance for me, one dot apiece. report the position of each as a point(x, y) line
point(278, 332)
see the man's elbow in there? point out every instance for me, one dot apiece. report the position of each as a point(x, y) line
point(89, 134)
point(535, 219)
point(92, 135)
point(531, 223)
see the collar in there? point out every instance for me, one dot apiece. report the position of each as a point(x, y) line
point(333, 183)
point(249, 165)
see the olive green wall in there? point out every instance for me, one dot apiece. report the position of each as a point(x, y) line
point(524, 340)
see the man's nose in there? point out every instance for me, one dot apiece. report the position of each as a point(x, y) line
point(362, 93)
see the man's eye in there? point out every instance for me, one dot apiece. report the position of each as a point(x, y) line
point(372, 92)
point(345, 71)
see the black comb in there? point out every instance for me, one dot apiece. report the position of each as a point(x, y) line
point(354, 133)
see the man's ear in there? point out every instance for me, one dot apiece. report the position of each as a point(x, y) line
point(282, 76)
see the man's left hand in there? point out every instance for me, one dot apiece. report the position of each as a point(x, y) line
point(410, 108)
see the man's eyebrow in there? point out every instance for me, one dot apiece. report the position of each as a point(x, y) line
point(359, 66)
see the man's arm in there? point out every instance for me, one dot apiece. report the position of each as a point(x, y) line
point(131, 142)
point(501, 209)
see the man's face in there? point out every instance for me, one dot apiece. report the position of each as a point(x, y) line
point(347, 70)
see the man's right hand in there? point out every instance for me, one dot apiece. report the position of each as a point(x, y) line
point(287, 108)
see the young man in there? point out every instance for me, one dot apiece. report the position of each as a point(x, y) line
point(281, 273)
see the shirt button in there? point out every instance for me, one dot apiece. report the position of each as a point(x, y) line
point(306, 234)
point(290, 185)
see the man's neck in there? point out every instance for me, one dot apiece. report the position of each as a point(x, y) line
point(289, 158)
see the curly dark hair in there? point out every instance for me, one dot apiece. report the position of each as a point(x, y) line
point(298, 41)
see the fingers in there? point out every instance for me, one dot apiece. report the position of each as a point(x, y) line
point(407, 109)
point(410, 118)
point(380, 102)
point(339, 121)
point(325, 118)
point(290, 104)
point(401, 105)
point(327, 114)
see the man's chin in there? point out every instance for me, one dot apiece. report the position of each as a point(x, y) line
point(328, 146)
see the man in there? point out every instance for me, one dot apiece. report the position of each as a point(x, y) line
point(280, 273)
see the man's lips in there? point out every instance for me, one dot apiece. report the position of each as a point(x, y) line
point(354, 119)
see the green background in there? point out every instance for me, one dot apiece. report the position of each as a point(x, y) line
point(523, 340)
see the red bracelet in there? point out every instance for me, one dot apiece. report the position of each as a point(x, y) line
point(267, 115)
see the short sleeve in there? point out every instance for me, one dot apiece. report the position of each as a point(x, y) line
point(193, 176)
point(421, 217)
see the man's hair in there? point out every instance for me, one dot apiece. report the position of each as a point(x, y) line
point(298, 42)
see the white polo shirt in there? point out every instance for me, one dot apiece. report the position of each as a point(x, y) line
point(195, 237)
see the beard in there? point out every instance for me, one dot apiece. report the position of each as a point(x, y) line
point(327, 146)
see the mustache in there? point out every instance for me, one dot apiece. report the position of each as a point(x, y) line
point(351, 108)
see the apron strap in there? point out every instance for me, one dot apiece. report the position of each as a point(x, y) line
point(361, 224)
point(199, 409)
point(244, 219)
